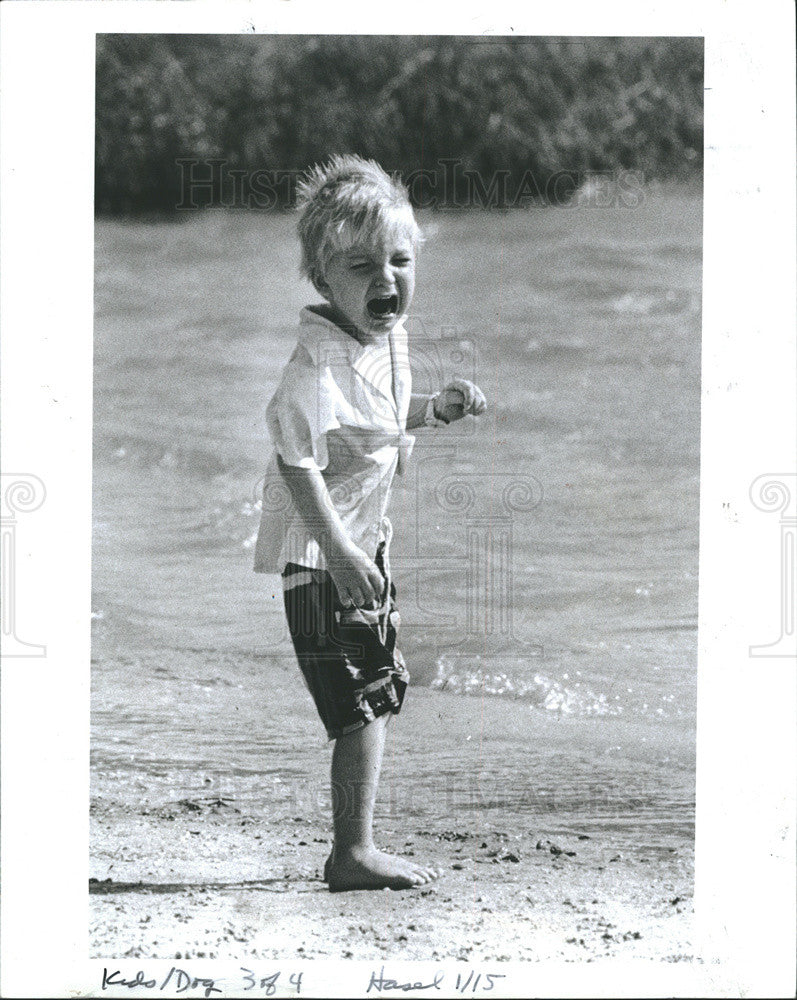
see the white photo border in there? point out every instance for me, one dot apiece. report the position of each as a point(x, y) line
point(747, 747)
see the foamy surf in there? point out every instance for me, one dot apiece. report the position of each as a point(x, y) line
point(573, 698)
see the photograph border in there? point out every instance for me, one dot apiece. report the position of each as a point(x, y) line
point(746, 701)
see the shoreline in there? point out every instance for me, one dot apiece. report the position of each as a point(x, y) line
point(232, 871)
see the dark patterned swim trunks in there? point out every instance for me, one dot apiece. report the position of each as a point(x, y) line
point(348, 656)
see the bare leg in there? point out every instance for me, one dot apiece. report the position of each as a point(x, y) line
point(355, 863)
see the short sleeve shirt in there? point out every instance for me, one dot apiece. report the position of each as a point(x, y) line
point(341, 408)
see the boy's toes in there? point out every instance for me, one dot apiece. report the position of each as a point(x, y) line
point(428, 874)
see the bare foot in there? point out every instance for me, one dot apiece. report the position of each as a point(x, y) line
point(434, 872)
point(367, 868)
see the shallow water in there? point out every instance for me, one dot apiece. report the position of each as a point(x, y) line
point(545, 555)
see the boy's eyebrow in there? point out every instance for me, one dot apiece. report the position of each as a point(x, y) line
point(366, 251)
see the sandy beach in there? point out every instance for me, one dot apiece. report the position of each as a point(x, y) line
point(500, 899)
point(192, 871)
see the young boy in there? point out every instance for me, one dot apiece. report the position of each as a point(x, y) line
point(338, 422)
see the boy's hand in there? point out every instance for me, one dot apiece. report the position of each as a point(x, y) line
point(356, 577)
point(459, 398)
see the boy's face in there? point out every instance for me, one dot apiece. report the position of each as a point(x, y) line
point(371, 287)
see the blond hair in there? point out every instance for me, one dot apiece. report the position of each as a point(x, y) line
point(348, 201)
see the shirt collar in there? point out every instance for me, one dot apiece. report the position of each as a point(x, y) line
point(317, 333)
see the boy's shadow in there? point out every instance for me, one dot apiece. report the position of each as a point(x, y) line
point(108, 887)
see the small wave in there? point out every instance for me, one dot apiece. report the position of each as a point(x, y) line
point(213, 682)
point(556, 349)
point(140, 452)
point(228, 513)
point(543, 692)
point(655, 303)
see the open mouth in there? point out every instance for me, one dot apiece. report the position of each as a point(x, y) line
point(382, 306)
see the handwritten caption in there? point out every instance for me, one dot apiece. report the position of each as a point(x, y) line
point(380, 983)
point(180, 980)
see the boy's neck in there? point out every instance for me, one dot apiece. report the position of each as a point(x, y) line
point(329, 312)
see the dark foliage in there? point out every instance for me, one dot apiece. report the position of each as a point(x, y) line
point(531, 107)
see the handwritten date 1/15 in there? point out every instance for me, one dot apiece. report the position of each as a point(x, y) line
point(469, 984)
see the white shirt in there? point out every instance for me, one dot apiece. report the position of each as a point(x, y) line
point(334, 410)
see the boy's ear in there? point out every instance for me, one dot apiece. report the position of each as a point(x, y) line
point(320, 285)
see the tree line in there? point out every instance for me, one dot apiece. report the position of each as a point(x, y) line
point(236, 114)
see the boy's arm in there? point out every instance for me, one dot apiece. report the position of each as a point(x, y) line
point(356, 576)
point(416, 415)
